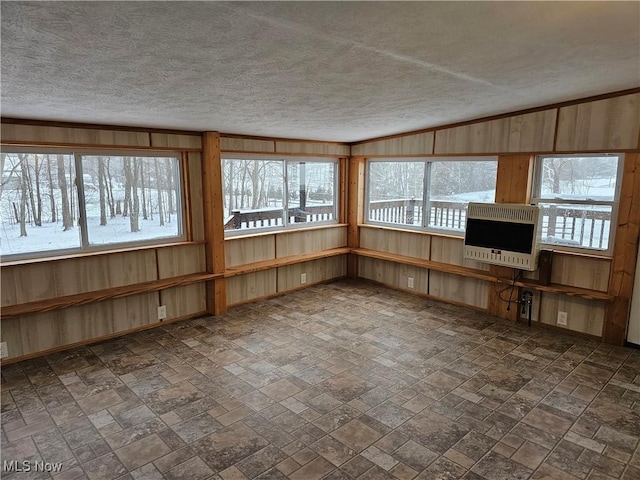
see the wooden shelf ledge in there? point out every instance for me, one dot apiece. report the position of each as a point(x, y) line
point(283, 261)
point(483, 275)
point(84, 298)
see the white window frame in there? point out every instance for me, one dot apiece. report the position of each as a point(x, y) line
point(285, 193)
point(84, 246)
point(426, 197)
point(537, 199)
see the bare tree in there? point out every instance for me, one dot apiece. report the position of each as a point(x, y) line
point(159, 190)
point(142, 185)
point(109, 184)
point(67, 220)
point(51, 196)
point(101, 189)
point(23, 195)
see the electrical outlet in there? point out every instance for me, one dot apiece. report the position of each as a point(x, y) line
point(410, 282)
point(562, 319)
point(4, 350)
point(162, 312)
point(303, 278)
point(524, 310)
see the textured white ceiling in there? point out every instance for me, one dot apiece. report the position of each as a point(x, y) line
point(342, 71)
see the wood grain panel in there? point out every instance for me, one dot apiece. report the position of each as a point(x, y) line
point(252, 285)
point(313, 148)
point(40, 332)
point(230, 144)
point(612, 123)
point(25, 283)
point(394, 241)
point(12, 334)
point(243, 250)
point(394, 274)
point(514, 179)
point(355, 208)
point(168, 140)
point(72, 136)
point(531, 132)
point(317, 271)
point(195, 185)
point(185, 300)
point(181, 260)
point(451, 250)
point(416, 144)
point(468, 291)
point(584, 272)
point(307, 241)
point(583, 316)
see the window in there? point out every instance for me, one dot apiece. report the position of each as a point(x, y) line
point(277, 193)
point(578, 196)
point(399, 191)
point(63, 201)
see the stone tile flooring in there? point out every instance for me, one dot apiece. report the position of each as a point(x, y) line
point(339, 381)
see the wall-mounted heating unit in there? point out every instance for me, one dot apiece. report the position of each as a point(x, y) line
point(503, 234)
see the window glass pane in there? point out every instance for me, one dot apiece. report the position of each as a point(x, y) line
point(578, 178)
point(395, 192)
point(310, 188)
point(39, 203)
point(583, 225)
point(130, 199)
point(453, 184)
point(253, 193)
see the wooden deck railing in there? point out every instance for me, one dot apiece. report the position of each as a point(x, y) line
point(274, 217)
point(567, 225)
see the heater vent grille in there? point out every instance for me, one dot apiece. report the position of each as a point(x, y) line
point(504, 213)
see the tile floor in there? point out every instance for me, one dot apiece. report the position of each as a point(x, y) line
point(339, 381)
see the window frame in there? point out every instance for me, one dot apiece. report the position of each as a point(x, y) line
point(537, 199)
point(286, 226)
point(81, 221)
point(426, 197)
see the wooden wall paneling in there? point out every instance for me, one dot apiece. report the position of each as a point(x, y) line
point(612, 123)
point(40, 332)
point(242, 250)
point(307, 241)
point(244, 288)
point(8, 285)
point(451, 250)
point(232, 144)
point(355, 208)
point(30, 282)
point(317, 271)
point(584, 272)
point(413, 144)
point(184, 300)
point(625, 251)
point(584, 316)
point(195, 195)
point(395, 241)
point(457, 289)
point(312, 148)
point(80, 323)
point(12, 334)
point(169, 140)
point(181, 260)
point(343, 186)
point(40, 134)
point(213, 220)
point(530, 132)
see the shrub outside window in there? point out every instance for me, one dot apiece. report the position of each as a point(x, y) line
point(578, 196)
point(268, 193)
point(399, 192)
point(63, 202)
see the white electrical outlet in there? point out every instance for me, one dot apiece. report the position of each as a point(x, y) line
point(303, 278)
point(162, 312)
point(4, 350)
point(410, 282)
point(562, 319)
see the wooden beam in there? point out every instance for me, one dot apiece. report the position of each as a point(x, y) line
point(343, 180)
point(355, 209)
point(625, 251)
point(213, 221)
point(513, 185)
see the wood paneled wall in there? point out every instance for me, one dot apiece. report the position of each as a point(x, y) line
point(601, 124)
point(238, 144)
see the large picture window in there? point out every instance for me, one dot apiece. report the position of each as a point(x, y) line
point(431, 194)
point(276, 193)
point(72, 201)
point(578, 196)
